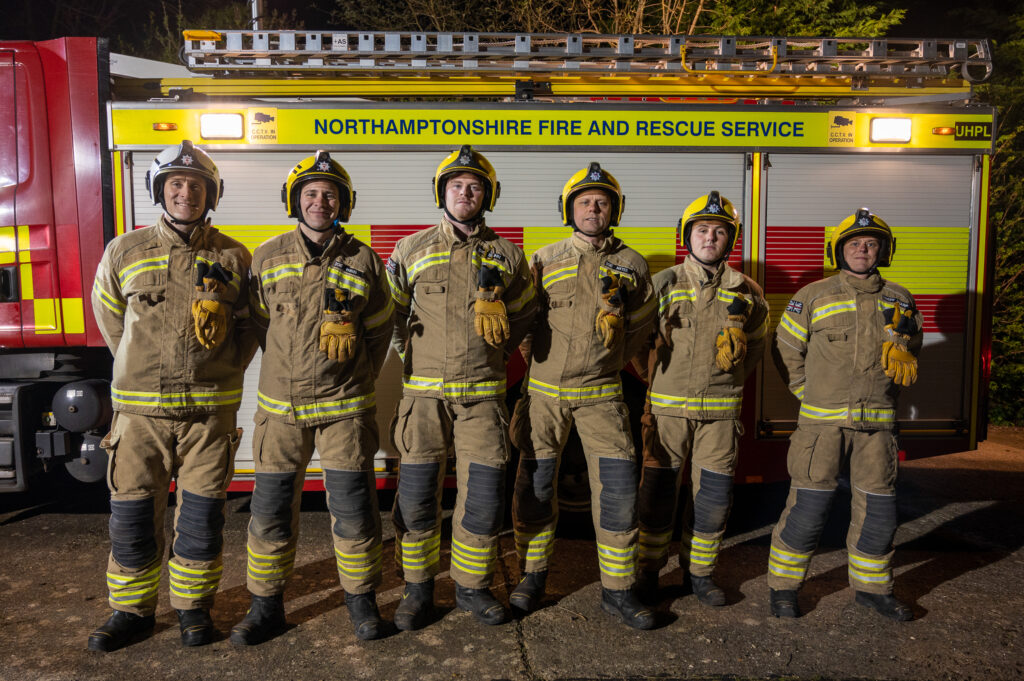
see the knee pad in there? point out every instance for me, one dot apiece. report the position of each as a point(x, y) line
point(349, 503)
point(618, 494)
point(417, 489)
point(807, 519)
point(658, 496)
point(711, 504)
point(535, 489)
point(131, 533)
point(271, 506)
point(485, 499)
point(199, 534)
point(880, 522)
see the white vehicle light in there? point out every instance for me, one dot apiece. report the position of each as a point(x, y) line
point(895, 130)
point(221, 126)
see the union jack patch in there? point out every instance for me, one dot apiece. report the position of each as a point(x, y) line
point(795, 306)
point(391, 266)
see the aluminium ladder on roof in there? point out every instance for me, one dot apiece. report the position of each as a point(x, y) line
point(328, 54)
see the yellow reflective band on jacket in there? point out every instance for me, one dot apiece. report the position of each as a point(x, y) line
point(616, 562)
point(193, 583)
point(607, 271)
point(795, 330)
point(787, 564)
point(342, 279)
point(837, 307)
point(140, 266)
point(843, 413)
point(428, 261)
point(696, 403)
point(473, 560)
point(381, 317)
point(480, 260)
point(236, 281)
point(262, 310)
point(654, 545)
point(420, 555)
point(799, 391)
point(267, 568)
point(537, 546)
point(679, 295)
point(168, 400)
point(279, 272)
point(397, 294)
point(456, 390)
point(133, 590)
point(759, 332)
point(316, 409)
point(109, 301)
point(700, 551)
point(642, 312)
point(588, 393)
point(555, 276)
point(358, 565)
point(529, 291)
point(729, 296)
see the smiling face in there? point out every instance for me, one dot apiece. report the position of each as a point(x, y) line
point(860, 254)
point(319, 204)
point(464, 196)
point(185, 196)
point(709, 240)
point(592, 212)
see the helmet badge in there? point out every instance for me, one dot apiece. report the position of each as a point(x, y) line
point(863, 221)
point(465, 159)
point(186, 159)
point(595, 175)
point(323, 166)
point(713, 208)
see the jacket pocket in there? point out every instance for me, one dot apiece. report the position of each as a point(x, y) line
point(258, 434)
point(801, 453)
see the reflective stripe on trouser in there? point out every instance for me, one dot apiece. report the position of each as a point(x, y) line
point(668, 444)
point(541, 428)
point(281, 453)
point(145, 454)
point(816, 457)
point(424, 431)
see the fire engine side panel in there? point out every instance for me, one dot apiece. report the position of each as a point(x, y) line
point(394, 199)
point(928, 202)
point(10, 308)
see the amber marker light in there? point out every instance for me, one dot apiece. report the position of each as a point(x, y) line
point(164, 127)
point(942, 131)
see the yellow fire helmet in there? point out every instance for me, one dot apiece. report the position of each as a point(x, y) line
point(861, 222)
point(712, 206)
point(320, 166)
point(591, 177)
point(465, 160)
point(184, 158)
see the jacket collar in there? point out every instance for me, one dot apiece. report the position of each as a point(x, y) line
point(334, 244)
point(723, 274)
point(196, 238)
point(873, 284)
point(480, 231)
point(608, 246)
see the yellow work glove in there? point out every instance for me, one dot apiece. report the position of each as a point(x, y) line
point(609, 324)
point(731, 341)
point(898, 362)
point(491, 317)
point(338, 332)
point(209, 314)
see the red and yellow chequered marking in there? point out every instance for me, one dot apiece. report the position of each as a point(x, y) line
point(48, 315)
point(119, 210)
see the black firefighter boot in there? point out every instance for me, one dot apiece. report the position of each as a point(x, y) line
point(362, 610)
point(119, 630)
point(263, 621)
point(482, 603)
point(885, 605)
point(647, 589)
point(416, 607)
point(196, 627)
point(624, 604)
point(707, 592)
point(527, 596)
point(783, 603)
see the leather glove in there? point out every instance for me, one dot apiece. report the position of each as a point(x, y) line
point(338, 332)
point(731, 341)
point(609, 324)
point(491, 318)
point(209, 315)
point(898, 362)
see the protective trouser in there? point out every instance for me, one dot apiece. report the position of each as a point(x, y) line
point(424, 431)
point(816, 456)
point(281, 453)
point(145, 454)
point(540, 430)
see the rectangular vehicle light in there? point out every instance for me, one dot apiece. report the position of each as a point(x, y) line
point(893, 130)
point(221, 126)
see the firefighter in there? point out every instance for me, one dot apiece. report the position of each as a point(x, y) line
point(597, 309)
point(463, 302)
point(710, 336)
point(170, 302)
point(845, 346)
point(323, 314)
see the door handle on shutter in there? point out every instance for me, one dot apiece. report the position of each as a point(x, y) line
point(9, 284)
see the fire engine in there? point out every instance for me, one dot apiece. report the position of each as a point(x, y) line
point(800, 132)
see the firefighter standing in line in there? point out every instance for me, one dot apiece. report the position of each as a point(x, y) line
point(463, 301)
point(711, 335)
point(323, 312)
point(171, 303)
point(597, 310)
point(845, 345)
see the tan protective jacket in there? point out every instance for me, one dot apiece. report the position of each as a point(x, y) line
point(142, 300)
point(569, 361)
point(433, 276)
point(299, 383)
point(828, 347)
point(692, 310)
